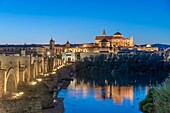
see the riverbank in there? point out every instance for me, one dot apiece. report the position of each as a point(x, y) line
point(59, 81)
point(59, 107)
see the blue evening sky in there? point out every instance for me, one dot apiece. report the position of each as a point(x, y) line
point(79, 21)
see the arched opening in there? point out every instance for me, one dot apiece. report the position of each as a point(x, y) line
point(11, 85)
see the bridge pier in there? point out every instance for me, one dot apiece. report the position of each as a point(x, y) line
point(21, 75)
point(2, 76)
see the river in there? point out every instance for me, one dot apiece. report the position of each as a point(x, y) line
point(106, 93)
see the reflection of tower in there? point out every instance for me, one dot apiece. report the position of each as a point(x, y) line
point(116, 93)
point(122, 92)
point(110, 91)
point(103, 93)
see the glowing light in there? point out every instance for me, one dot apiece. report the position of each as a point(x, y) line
point(55, 69)
point(53, 72)
point(33, 83)
point(39, 80)
point(48, 53)
point(46, 74)
point(21, 93)
point(14, 97)
point(55, 100)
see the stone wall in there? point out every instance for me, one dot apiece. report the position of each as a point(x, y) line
point(29, 105)
point(39, 90)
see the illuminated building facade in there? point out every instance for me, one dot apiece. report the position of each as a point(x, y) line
point(117, 40)
point(71, 52)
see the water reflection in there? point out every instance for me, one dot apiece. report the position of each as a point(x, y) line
point(116, 93)
point(107, 93)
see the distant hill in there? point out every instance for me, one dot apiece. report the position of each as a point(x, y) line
point(161, 46)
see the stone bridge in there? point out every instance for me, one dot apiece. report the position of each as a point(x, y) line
point(16, 69)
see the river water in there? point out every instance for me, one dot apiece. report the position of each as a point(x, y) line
point(106, 94)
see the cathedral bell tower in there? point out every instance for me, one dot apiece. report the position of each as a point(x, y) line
point(51, 51)
point(67, 44)
point(52, 44)
point(104, 33)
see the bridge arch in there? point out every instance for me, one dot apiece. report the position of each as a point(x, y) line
point(11, 81)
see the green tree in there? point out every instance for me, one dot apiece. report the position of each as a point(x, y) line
point(161, 97)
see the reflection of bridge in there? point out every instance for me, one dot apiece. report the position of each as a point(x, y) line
point(15, 69)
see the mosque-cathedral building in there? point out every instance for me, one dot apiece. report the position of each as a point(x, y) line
point(71, 52)
point(117, 40)
point(102, 45)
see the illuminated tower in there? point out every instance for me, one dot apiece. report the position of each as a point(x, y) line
point(52, 44)
point(104, 33)
point(67, 44)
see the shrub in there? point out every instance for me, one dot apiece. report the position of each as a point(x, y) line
point(161, 97)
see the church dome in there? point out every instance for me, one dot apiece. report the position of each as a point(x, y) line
point(148, 45)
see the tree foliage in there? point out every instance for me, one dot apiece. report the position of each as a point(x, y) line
point(137, 63)
point(158, 99)
point(161, 97)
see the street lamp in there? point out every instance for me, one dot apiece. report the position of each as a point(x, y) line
point(48, 53)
